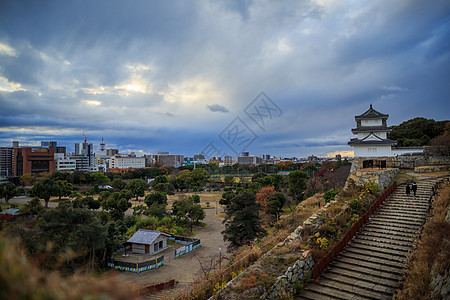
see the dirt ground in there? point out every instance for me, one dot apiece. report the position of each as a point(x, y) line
point(187, 267)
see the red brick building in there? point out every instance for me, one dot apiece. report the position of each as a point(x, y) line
point(33, 160)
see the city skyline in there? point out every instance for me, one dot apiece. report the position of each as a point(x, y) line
point(157, 76)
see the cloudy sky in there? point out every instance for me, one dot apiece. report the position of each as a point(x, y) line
point(181, 75)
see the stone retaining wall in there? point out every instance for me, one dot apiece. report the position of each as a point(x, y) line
point(428, 169)
point(383, 178)
point(298, 271)
point(403, 162)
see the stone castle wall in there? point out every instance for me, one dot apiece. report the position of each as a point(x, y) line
point(383, 178)
point(282, 289)
point(403, 162)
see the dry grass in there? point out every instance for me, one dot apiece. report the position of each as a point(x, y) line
point(20, 278)
point(403, 177)
point(210, 197)
point(432, 253)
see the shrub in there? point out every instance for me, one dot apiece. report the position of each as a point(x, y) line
point(329, 195)
point(297, 287)
point(355, 205)
point(323, 243)
point(372, 188)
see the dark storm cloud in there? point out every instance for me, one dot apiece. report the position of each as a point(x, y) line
point(217, 108)
point(145, 73)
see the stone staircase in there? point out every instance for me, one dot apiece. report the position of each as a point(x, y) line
point(372, 266)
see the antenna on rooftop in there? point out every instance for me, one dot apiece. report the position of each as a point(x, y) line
point(84, 137)
point(102, 146)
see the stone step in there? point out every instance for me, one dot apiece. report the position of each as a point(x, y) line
point(382, 245)
point(384, 227)
point(369, 265)
point(410, 203)
point(394, 221)
point(374, 260)
point(363, 271)
point(386, 235)
point(411, 199)
point(363, 283)
point(376, 254)
point(402, 220)
point(386, 240)
point(378, 248)
point(380, 252)
point(367, 277)
point(397, 206)
point(392, 224)
point(364, 292)
point(315, 291)
point(402, 213)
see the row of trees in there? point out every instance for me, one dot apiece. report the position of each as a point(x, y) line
point(266, 194)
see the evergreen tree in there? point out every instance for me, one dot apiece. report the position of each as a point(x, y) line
point(45, 190)
point(137, 187)
point(297, 184)
point(242, 223)
point(8, 191)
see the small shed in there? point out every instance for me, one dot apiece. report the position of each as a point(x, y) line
point(148, 241)
point(10, 214)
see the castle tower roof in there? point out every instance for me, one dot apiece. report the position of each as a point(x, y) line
point(371, 114)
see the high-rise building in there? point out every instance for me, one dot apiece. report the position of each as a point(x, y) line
point(122, 161)
point(15, 144)
point(29, 160)
point(48, 144)
point(167, 159)
point(85, 149)
point(111, 152)
point(6, 161)
point(61, 149)
point(249, 159)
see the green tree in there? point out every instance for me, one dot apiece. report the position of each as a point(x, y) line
point(8, 191)
point(137, 187)
point(275, 204)
point(186, 209)
point(74, 228)
point(416, 132)
point(155, 198)
point(159, 179)
point(167, 188)
point(45, 190)
point(118, 184)
point(184, 179)
point(99, 178)
point(228, 181)
point(33, 207)
point(297, 184)
point(195, 198)
point(157, 210)
point(242, 223)
point(226, 198)
point(65, 188)
point(91, 203)
point(200, 177)
point(27, 179)
point(117, 204)
point(139, 210)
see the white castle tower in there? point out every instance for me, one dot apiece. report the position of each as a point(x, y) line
point(371, 129)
